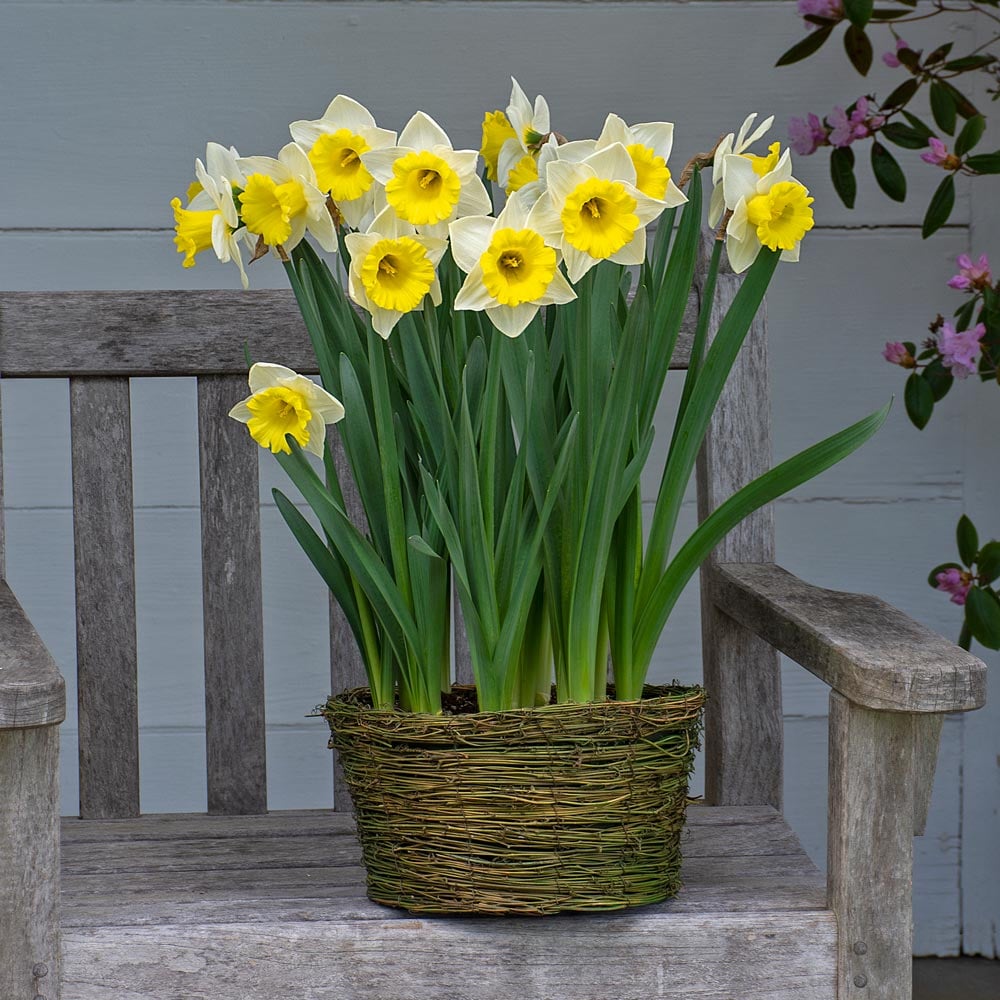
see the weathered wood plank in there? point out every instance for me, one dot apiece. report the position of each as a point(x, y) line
point(347, 669)
point(3, 549)
point(927, 743)
point(48, 334)
point(870, 849)
point(862, 647)
point(743, 725)
point(105, 596)
point(616, 957)
point(232, 602)
point(29, 862)
point(32, 691)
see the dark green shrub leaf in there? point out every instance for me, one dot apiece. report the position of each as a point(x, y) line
point(858, 47)
point(968, 540)
point(859, 11)
point(988, 563)
point(919, 401)
point(903, 135)
point(939, 379)
point(842, 175)
point(970, 135)
point(903, 93)
point(940, 207)
point(806, 47)
point(963, 105)
point(939, 54)
point(943, 107)
point(932, 576)
point(969, 62)
point(963, 315)
point(918, 125)
point(910, 59)
point(888, 173)
point(982, 613)
point(985, 163)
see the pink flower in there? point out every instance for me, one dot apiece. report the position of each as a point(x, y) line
point(833, 10)
point(974, 276)
point(956, 582)
point(897, 354)
point(891, 59)
point(806, 135)
point(959, 350)
point(937, 155)
point(844, 128)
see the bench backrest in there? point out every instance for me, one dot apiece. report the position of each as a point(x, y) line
point(98, 340)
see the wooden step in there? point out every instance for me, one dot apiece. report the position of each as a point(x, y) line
point(272, 907)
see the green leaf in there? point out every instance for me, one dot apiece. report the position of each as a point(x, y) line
point(943, 107)
point(963, 105)
point(858, 47)
point(918, 125)
point(778, 481)
point(940, 207)
point(968, 540)
point(418, 544)
point(903, 93)
point(982, 613)
point(932, 576)
point(888, 173)
point(842, 174)
point(939, 54)
point(966, 63)
point(806, 47)
point(970, 135)
point(988, 563)
point(919, 401)
point(939, 378)
point(985, 163)
point(903, 135)
point(859, 11)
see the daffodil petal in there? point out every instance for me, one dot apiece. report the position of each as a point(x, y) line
point(511, 320)
point(558, 292)
point(422, 132)
point(470, 237)
point(634, 252)
point(613, 161)
point(562, 177)
point(659, 136)
point(739, 180)
point(578, 263)
point(264, 374)
point(473, 294)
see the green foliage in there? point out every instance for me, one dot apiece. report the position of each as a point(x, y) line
point(940, 207)
point(842, 175)
point(888, 173)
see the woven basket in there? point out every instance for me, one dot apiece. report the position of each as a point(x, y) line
point(566, 807)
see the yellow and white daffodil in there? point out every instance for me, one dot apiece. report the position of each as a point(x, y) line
point(393, 268)
point(427, 182)
point(768, 210)
point(335, 144)
point(517, 164)
point(210, 219)
point(649, 145)
point(511, 271)
point(497, 129)
point(592, 210)
point(732, 144)
point(282, 402)
point(281, 200)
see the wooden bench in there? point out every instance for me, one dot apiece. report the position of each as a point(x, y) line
point(242, 904)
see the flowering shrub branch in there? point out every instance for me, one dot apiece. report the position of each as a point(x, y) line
point(970, 343)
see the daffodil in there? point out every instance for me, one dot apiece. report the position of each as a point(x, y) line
point(427, 182)
point(770, 210)
point(335, 144)
point(281, 200)
point(511, 271)
point(393, 268)
point(592, 210)
point(648, 145)
point(517, 164)
point(732, 144)
point(282, 403)
point(496, 131)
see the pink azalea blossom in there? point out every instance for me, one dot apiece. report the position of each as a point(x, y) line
point(937, 155)
point(974, 276)
point(896, 354)
point(806, 135)
point(845, 129)
point(959, 349)
point(831, 9)
point(891, 59)
point(956, 582)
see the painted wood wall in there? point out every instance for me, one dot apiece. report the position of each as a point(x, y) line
point(103, 107)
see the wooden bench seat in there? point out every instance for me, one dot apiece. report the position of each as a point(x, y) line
point(223, 907)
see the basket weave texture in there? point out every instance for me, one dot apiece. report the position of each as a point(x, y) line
point(534, 811)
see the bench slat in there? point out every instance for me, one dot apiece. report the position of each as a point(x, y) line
point(232, 602)
point(104, 547)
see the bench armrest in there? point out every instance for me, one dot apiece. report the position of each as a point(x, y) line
point(865, 649)
point(32, 691)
